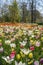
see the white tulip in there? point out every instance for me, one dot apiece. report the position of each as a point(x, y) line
point(7, 42)
point(26, 51)
point(13, 45)
point(23, 43)
point(7, 59)
point(30, 32)
point(20, 63)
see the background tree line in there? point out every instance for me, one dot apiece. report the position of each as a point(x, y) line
point(14, 13)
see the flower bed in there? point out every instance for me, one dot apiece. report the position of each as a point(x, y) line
point(21, 45)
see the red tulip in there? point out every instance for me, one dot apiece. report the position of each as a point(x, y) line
point(13, 52)
point(32, 48)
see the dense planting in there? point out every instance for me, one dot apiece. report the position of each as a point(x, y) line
point(21, 46)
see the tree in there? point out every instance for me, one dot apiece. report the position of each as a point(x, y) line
point(24, 11)
point(38, 17)
point(33, 11)
point(14, 12)
point(4, 12)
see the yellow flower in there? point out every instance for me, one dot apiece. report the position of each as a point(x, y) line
point(32, 42)
point(12, 49)
point(30, 38)
point(30, 55)
point(23, 55)
point(21, 52)
point(42, 38)
point(20, 32)
point(18, 56)
point(16, 36)
point(0, 40)
point(3, 34)
point(30, 62)
point(10, 33)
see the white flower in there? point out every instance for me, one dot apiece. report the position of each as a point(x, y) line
point(20, 63)
point(7, 30)
point(37, 31)
point(7, 42)
point(7, 59)
point(23, 43)
point(37, 43)
point(25, 28)
point(13, 45)
point(26, 51)
point(24, 32)
point(17, 27)
point(32, 36)
point(30, 32)
point(1, 49)
point(12, 39)
point(25, 39)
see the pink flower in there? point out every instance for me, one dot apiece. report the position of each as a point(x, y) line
point(0, 44)
point(37, 36)
point(1, 49)
point(12, 55)
point(36, 63)
point(41, 28)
